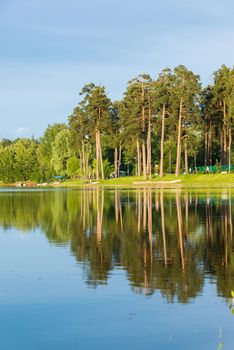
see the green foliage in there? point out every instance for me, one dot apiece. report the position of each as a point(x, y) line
point(108, 169)
point(111, 131)
point(7, 164)
point(61, 152)
point(73, 167)
point(44, 151)
point(18, 161)
point(95, 106)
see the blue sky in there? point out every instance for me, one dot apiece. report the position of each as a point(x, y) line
point(50, 49)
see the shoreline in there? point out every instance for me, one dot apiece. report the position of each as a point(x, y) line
point(191, 181)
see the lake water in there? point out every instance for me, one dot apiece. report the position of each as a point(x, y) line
point(116, 269)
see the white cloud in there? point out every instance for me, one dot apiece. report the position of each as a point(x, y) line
point(21, 130)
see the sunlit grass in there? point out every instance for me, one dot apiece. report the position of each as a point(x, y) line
point(185, 181)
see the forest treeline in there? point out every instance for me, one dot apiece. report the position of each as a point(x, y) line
point(170, 124)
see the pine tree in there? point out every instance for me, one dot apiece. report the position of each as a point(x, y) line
point(187, 91)
point(96, 106)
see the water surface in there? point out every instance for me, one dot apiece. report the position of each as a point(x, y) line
point(101, 269)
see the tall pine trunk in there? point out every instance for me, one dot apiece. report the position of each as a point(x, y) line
point(224, 145)
point(210, 144)
point(149, 156)
point(83, 160)
point(120, 160)
point(206, 146)
point(185, 148)
point(186, 155)
point(195, 161)
point(229, 149)
point(221, 146)
point(81, 164)
point(144, 159)
point(224, 133)
point(162, 142)
point(143, 131)
point(116, 162)
point(100, 152)
point(87, 164)
point(138, 159)
point(178, 156)
point(97, 156)
point(149, 166)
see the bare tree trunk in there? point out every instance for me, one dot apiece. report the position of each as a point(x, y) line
point(144, 159)
point(210, 144)
point(83, 160)
point(100, 152)
point(116, 162)
point(149, 166)
point(149, 170)
point(143, 107)
point(224, 133)
point(138, 159)
point(206, 147)
point(185, 148)
point(221, 145)
point(229, 149)
point(81, 165)
point(97, 156)
point(224, 145)
point(178, 157)
point(143, 130)
point(186, 155)
point(87, 164)
point(120, 160)
point(162, 142)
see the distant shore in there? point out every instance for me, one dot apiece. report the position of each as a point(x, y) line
point(167, 181)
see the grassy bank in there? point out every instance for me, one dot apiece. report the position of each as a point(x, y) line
point(167, 181)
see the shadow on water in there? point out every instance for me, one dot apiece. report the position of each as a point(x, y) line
point(169, 242)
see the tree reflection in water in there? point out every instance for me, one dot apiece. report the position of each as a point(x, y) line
point(165, 241)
